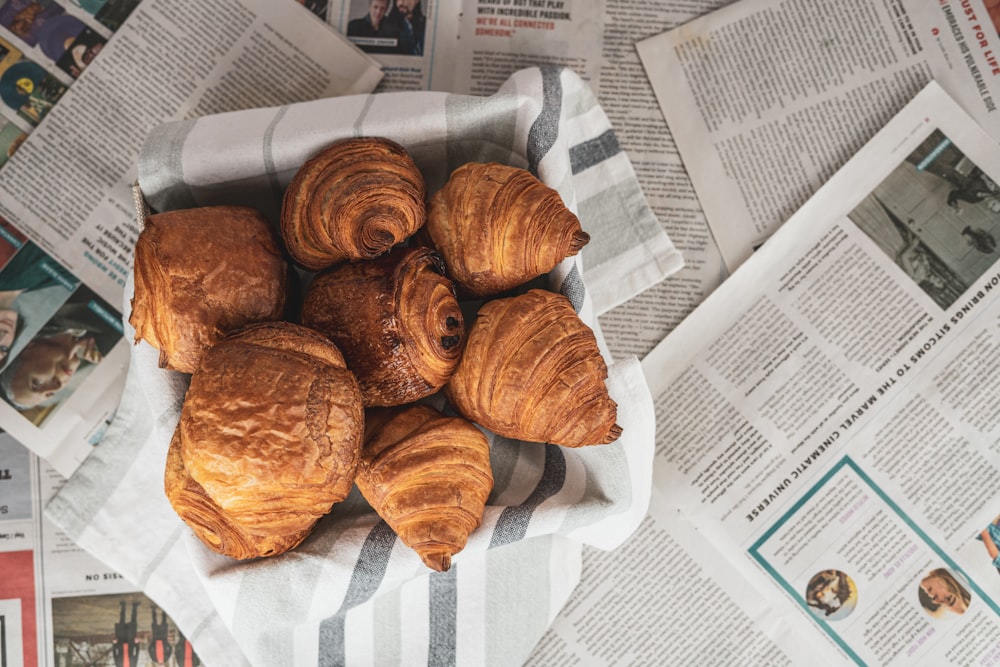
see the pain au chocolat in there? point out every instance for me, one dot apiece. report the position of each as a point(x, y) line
point(532, 370)
point(428, 476)
point(353, 200)
point(395, 318)
point(268, 441)
point(201, 273)
point(499, 227)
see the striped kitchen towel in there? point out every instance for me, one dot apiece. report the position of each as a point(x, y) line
point(352, 594)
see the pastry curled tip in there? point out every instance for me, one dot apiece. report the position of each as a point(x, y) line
point(438, 560)
point(580, 238)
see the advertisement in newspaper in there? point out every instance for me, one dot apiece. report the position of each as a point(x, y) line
point(65, 196)
point(826, 417)
point(766, 99)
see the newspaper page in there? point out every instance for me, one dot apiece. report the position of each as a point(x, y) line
point(767, 98)
point(44, 47)
point(68, 231)
point(81, 612)
point(826, 418)
point(472, 46)
point(667, 597)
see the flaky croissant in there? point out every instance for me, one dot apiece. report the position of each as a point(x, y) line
point(498, 227)
point(269, 439)
point(353, 200)
point(532, 370)
point(201, 273)
point(428, 476)
point(395, 318)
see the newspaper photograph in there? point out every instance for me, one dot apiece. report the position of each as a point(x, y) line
point(81, 612)
point(853, 467)
point(767, 99)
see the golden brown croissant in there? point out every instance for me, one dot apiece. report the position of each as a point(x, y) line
point(355, 199)
point(201, 273)
point(428, 476)
point(395, 318)
point(498, 227)
point(532, 370)
point(270, 433)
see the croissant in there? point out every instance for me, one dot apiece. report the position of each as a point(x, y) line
point(353, 200)
point(428, 476)
point(201, 273)
point(498, 227)
point(395, 318)
point(532, 370)
point(269, 439)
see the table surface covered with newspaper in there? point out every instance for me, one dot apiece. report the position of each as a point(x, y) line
point(625, 604)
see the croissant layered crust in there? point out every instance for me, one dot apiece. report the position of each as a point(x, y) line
point(353, 200)
point(428, 476)
point(270, 435)
point(201, 273)
point(498, 227)
point(395, 318)
point(532, 370)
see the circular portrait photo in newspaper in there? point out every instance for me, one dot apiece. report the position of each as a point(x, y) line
point(831, 595)
point(944, 593)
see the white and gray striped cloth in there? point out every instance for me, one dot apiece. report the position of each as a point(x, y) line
point(352, 594)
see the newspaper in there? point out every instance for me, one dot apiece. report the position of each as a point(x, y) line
point(60, 606)
point(66, 201)
point(672, 557)
point(767, 98)
point(846, 473)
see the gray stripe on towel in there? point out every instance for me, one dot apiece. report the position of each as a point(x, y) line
point(161, 169)
point(573, 288)
point(513, 522)
point(443, 615)
point(594, 151)
point(545, 129)
point(268, 149)
point(368, 573)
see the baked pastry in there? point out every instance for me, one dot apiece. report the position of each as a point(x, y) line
point(201, 273)
point(210, 523)
point(268, 441)
point(353, 200)
point(428, 476)
point(498, 227)
point(532, 370)
point(395, 318)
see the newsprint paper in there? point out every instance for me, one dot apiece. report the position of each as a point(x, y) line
point(766, 99)
point(827, 418)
